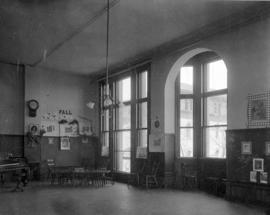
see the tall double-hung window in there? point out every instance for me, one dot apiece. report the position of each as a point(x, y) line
point(202, 108)
point(142, 102)
point(186, 98)
point(104, 121)
point(122, 125)
point(125, 123)
point(215, 109)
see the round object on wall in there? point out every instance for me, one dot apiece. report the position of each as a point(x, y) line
point(157, 123)
point(33, 105)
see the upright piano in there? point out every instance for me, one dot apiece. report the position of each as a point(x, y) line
point(17, 167)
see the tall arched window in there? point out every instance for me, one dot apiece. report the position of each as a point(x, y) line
point(202, 107)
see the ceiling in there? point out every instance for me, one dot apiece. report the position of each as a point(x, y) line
point(70, 35)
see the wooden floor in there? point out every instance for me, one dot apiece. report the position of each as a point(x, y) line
point(115, 199)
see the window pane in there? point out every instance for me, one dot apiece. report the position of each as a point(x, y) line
point(123, 117)
point(186, 142)
point(105, 139)
point(186, 80)
point(142, 138)
point(106, 89)
point(216, 110)
point(106, 120)
point(101, 97)
point(143, 84)
point(186, 112)
point(216, 75)
point(142, 109)
point(123, 90)
point(123, 161)
point(216, 142)
point(123, 141)
point(104, 92)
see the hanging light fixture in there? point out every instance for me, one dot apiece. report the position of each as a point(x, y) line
point(108, 101)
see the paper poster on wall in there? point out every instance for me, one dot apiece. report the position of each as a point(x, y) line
point(50, 141)
point(68, 129)
point(155, 125)
point(264, 177)
point(258, 109)
point(50, 116)
point(156, 142)
point(64, 114)
point(64, 143)
point(51, 128)
point(33, 135)
point(75, 128)
point(141, 152)
point(34, 128)
point(85, 139)
point(253, 176)
point(65, 130)
point(85, 128)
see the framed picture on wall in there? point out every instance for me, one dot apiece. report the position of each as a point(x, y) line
point(264, 178)
point(267, 148)
point(258, 164)
point(246, 147)
point(253, 176)
point(34, 129)
point(258, 110)
point(64, 143)
point(50, 140)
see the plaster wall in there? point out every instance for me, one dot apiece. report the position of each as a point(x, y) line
point(55, 92)
point(12, 99)
point(246, 53)
point(58, 91)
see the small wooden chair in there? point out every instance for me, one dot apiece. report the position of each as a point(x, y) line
point(64, 175)
point(135, 178)
point(105, 175)
point(151, 178)
point(51, 170)
point(189, 177)
point(79, 176)
point(141, 173)
point(87, 164)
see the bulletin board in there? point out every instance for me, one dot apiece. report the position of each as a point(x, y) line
point(259, 110)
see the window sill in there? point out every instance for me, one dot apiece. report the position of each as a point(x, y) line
point(200, 158)
point(121, 173)
point(186, 158)
point(206, 158)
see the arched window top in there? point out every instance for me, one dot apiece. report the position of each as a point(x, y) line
point(202, 107)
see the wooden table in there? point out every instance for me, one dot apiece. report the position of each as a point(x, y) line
point(80, 176)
